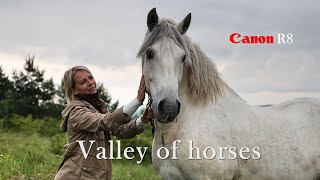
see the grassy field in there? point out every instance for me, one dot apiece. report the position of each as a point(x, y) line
point(32, 156)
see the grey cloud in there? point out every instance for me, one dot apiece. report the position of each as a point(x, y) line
point(109, 33)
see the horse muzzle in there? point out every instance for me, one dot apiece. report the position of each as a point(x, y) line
point(168, 110)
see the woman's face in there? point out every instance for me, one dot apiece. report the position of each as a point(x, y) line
point(84, 83)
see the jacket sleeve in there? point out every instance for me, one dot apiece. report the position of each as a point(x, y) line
point(127, 131)
point(82, 118)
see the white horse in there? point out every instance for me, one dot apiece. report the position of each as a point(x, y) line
point(230, 139)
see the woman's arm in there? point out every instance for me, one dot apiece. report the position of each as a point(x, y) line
point(133, 128)
point(130, 108)
point(127, 131)
point(82, 118)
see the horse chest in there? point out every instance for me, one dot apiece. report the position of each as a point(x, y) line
point(171, 159)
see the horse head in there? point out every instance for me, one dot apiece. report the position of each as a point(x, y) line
point(164, 54)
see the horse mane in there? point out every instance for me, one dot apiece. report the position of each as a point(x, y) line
point(204, 82)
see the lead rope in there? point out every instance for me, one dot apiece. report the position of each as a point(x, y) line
point(148, 106)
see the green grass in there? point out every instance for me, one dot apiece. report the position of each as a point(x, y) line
point(123, 171)
point(33, 156)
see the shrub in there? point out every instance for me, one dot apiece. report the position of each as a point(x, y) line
point(57, 143)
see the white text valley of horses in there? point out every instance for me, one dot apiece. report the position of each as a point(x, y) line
point(194, 152)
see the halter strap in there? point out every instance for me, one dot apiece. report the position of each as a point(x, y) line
point(148, 106)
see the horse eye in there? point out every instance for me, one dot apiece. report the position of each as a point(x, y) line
point(149, 53)
point(183, 58)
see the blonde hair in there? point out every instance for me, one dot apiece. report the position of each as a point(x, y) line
point(69, 83)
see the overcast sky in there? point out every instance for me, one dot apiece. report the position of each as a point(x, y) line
point(106, 36)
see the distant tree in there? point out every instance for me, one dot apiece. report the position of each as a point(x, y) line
point(31, 90)
point(61, 94)
point(5, 84)
point(104, 95)
point(6, 104)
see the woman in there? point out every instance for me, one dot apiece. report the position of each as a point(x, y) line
point(86, 118)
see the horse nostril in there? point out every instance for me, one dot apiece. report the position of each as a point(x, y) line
point(179, 105)
point(161, 105)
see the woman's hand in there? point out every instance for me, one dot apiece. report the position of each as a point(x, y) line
point(147, 115)
point(141, 91)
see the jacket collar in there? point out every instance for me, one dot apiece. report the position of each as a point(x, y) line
point(65, 113)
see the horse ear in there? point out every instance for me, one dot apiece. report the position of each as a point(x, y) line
point(184, 24)
point(152, 20)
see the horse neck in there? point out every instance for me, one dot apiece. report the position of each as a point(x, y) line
point(227, 100)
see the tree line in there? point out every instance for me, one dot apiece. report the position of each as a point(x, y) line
point(29, 93)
